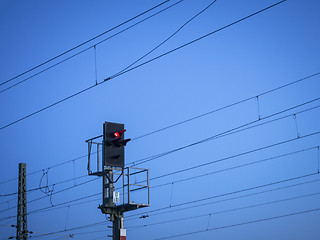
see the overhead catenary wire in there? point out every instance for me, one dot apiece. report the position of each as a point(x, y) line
point(177, 181)
point(213, 213)
point(34, 189)
point(225, 133)
point(196, 40)
point(179, 171)
point(233, 156)
point(240, 128)
point(85, 42)
point(230, 199)
point(212, 197)
point(228, 132)
point(53, 166)
point(234, 167)
point(229, 193)
point(90, 47)
point(228, 210)
point(242, 223)
point(60, 205)
point(168, 38)
point(140, 65)
point(53, 193)
point(227, 106)
point(222, 108)
point(39, 188)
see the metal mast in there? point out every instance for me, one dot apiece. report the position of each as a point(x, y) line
point(22, 231)
point(112, 170)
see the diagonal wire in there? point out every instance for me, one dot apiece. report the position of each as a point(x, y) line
point(101, 34)
point(140, 65)
point(167, 39)
point(88, 48)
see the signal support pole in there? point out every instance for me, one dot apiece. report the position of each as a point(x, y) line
point(22, 231)
point(113, 168)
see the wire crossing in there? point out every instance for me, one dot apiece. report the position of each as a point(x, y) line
point(81, 44)
point(90, 47)
point(140, 65)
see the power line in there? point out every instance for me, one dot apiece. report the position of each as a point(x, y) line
point(185, 121)
point(235, 167)
point(39, 188)
point(196, 40)
point(233, 156)
point(188, 178)
point(90, 47)
point(232, 198)
point(228, 210)
point(216, 212)
point(201, 165)
point(225, 107)
point(53, 193)
point(233, 192)
point(70, 229)
point(59, 205)
point(242, 223)
point(83, 43)
point(11, 194)
point(167, 39)
point(229, 193)
point(237, 129)
point(228, 132)
point(181, 180)
point(216, 196)
point(114, 76)
point(53, 166)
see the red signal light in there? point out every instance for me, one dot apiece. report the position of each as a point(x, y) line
point(118, 134)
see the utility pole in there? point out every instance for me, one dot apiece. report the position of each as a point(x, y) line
point(113, 168)
point(22, 232)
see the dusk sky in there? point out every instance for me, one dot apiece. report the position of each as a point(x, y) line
point(220, 98)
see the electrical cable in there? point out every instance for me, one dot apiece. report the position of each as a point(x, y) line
point(56, 165)
point(242, 223)
point(64, 203)
point(90, 47)
point(228, 210)
point(228, 193)
point(151, 60)
point(230, 199)
point(40, 188)
point(59, 206)
point(11, 194)
point(185, 179)
point(195, 40)
point(185, 121)
point(225, 107)
point(177, 181)
point(83, 43)
point(70, 229)
point(53, 193)
point(232, 168)
point(222, 108)
point(191, 168)
point(197, 165)
point(233, 156)
point(237, 129)
point(216, 196)
point(168, 38)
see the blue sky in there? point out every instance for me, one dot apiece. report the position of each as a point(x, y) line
point(264, 52)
